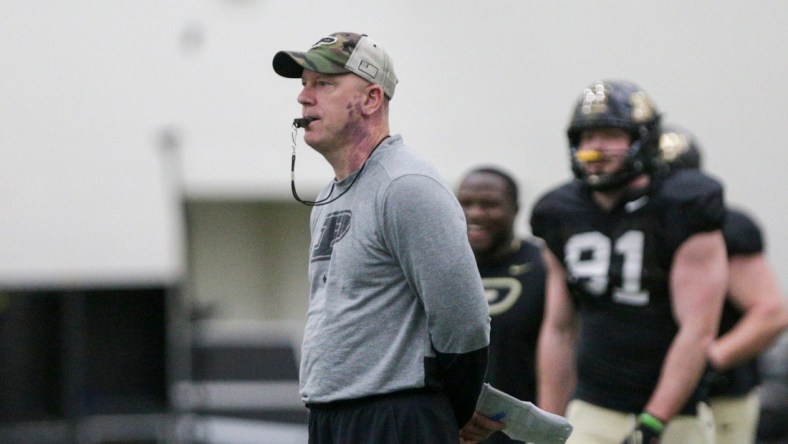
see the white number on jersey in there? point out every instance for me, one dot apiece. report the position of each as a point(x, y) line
point(588, 258)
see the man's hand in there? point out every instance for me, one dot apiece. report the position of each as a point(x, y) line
point(715, 380)
point(479, 428)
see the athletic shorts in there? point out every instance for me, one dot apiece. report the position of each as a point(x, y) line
point(396, 418)
point(598, 425)
point(736, 418)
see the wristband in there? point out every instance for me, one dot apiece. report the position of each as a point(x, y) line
point(652, 422)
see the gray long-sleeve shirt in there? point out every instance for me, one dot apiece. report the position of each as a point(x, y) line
point(394, 284)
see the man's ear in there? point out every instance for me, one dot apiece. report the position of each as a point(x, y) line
point(373, 98)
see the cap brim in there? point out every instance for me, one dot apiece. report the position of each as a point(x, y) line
point(291, 64)
point(285, 64)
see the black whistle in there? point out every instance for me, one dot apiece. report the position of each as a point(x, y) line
point(303, 122)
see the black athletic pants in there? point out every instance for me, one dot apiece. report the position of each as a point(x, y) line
point(399, 418)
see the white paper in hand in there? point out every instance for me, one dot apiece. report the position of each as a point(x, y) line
point(524, 421)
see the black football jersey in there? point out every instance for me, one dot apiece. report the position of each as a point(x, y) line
point(742, 237)
point(618, 264)
point(515, 292)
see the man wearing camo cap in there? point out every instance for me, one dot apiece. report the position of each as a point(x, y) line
point(397, 331)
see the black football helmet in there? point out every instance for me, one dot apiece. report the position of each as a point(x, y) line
point(620, 104)
point(679, 149)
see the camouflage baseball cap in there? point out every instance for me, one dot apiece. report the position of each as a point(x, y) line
point(341, 52)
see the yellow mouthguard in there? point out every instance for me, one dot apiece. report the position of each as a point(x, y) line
point(588, 155)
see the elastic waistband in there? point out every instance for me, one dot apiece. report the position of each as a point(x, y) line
point(355, 402)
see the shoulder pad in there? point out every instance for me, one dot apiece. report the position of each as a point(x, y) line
point(550, 210)
point(742, 234)
point(693, 199)
point(688, 184)
point(553, 204)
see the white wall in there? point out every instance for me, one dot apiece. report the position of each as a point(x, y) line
point(248, 259)
point(86, 194)
point(86, 87)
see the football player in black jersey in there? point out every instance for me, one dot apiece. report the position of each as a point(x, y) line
point(513, 275)
point(753, 316)
point(636, 276)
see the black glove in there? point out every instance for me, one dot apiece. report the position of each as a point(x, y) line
point(648, 431)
